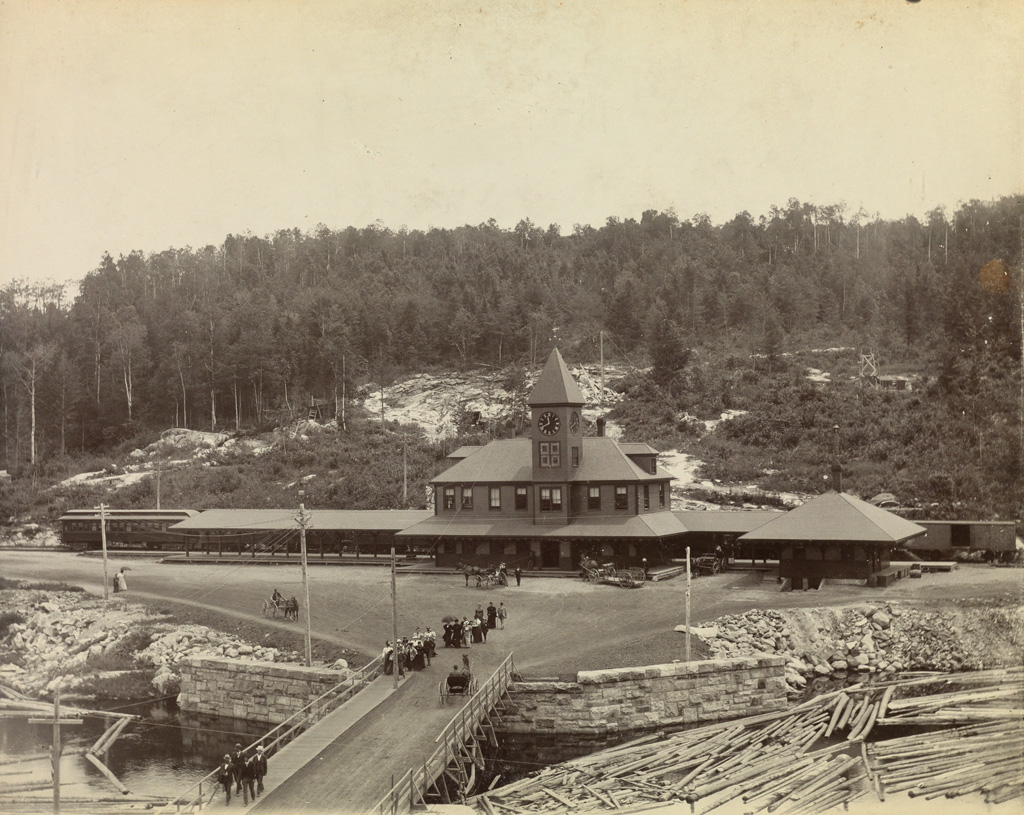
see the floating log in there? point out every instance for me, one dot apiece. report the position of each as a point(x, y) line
point(99, 765)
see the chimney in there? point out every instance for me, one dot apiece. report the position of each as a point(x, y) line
point(600, 425)
point(837, 477)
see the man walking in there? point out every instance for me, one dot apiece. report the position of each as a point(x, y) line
point(519, 575)
point(226, 776)
point(238, 765)
point(249, 780)
point(260, 768)
point(502, 614)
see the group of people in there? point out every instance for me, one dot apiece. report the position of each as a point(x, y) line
point(463, 633)
point(244, 773)
point(414, 654)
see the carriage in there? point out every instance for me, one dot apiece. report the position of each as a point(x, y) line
point(594, 572)
point(452, 686)
point(486, 578)
point(708, 564)
point(288, 608)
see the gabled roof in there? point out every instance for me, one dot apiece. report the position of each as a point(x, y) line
point(835, 516)
point(725, 521)
point(604, 460)
point(555, 385)
point(649, 525)
point(511, 460)
point(379, 520)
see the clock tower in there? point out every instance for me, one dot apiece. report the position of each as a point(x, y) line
point(556, 406)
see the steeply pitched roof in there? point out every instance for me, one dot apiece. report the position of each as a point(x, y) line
point(380, 520)
point(835, 516)
point(649, 525)
point(511, 460)
point(555, 385)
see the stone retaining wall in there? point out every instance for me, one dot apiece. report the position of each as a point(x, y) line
point(628, 699)
point(257, 691)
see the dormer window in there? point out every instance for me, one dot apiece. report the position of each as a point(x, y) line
point(621, 497)
point(467, 497)
point(449, 498)
point(654, 465)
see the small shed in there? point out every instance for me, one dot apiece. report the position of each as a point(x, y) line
point(835, 535)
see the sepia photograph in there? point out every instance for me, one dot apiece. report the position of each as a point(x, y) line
point(519, 408)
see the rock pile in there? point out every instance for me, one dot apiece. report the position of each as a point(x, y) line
point(872, 638)
point(65, 631)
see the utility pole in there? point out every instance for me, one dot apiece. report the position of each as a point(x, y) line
point(103, 538)
point(56, 721)
point(687, 604)
point(303, 520)
point(601, 336)
point(158, 471)
point(396, 664)
point(405, 474)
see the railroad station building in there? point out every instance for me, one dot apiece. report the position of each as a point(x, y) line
point(543, 502)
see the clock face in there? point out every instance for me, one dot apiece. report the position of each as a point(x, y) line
point(549, 423)
point(574, 423)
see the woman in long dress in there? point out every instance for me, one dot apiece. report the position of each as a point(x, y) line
point(477, 632)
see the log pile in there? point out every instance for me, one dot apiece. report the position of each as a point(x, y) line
point(808, 759)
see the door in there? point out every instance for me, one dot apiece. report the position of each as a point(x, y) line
point(549, 554)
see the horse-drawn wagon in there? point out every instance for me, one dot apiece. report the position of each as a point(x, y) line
point(464, 685)
point(594, 572)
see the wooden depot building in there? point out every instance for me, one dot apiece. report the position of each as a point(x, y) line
point(834, 535)
point(542, 502)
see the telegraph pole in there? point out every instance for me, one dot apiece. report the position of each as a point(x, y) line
point(687, 603)
point(103, 538)
point(303, 520)
point(396, 668)
point(57, 721)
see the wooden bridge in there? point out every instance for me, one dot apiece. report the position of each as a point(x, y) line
point(450, 771)
point(348, 747)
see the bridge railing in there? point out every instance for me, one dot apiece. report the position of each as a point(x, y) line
point(202, 792)
point(411, 788)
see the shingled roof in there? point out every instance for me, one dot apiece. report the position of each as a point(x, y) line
point(838, 517)
point(511, 460)
point(555, 385)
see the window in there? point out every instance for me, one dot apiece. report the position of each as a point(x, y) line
point(661, 495)
point(654, 465)
point(467, 497)
point(449, 498)
point(550, 454)
point(621, 498)
point(550, 499)
point(520, 497)
point(647, 496)
point(593, 497)
point(495, 498)
point(575, 456)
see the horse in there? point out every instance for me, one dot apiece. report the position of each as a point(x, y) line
point(291, 609)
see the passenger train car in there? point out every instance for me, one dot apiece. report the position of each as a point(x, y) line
point(126, 528)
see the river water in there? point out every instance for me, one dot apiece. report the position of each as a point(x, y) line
point(161, 755)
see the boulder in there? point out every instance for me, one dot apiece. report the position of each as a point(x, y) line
point(882, 619)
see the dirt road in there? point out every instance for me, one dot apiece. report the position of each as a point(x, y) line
point(556, 627)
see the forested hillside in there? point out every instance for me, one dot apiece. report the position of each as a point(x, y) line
point(240, 336)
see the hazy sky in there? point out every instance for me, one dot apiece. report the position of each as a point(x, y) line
point(148, 124)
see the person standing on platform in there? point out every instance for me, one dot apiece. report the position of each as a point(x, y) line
point(519, 575)
point(502, 614)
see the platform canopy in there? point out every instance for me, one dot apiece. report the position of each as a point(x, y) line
point(343, 520)
point(836, 517)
